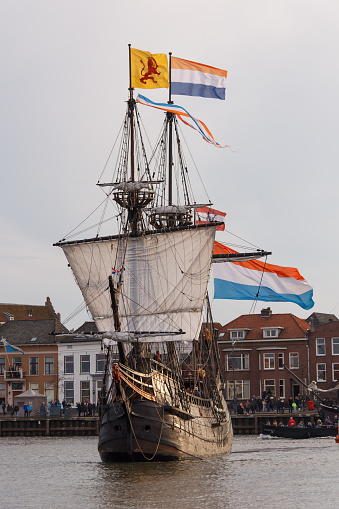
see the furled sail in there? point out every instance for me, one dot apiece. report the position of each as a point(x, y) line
point(164, 278)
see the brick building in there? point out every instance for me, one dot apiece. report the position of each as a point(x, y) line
point(37, 369)
point(253, 350)
point(324, 355)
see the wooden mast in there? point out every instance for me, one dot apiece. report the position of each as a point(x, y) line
point(170, 137)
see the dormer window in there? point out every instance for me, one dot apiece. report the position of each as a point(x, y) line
point(8, 316)
point(271, 332)
point(236, 334)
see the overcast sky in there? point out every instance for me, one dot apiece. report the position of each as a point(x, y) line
point(64, 79)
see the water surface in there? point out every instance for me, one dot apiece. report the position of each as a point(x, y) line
point(275, 473)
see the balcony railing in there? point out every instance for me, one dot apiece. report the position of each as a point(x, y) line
point(13, 374)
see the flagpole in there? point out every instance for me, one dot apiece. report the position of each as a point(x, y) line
point(3, 344)
point(170, 135)
point(170, 78)
point(131, 111)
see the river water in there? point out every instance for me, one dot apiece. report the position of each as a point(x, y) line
point(58, 473)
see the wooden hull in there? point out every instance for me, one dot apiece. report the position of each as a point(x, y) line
point(155, 432)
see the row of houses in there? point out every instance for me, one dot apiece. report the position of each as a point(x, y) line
point(253, 351)
point(53, 361)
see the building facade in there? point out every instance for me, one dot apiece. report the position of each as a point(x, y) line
point(254, 349)
point(37, 367)
point(81, 365)
point(324, 356)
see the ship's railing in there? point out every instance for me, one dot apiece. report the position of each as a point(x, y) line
point(136, 376)
point(134, 380)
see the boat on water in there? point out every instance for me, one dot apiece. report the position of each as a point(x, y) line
point(297, 432)
point(326, 411)
point(146, 287)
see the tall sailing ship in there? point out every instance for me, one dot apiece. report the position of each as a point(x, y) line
point(146, 288)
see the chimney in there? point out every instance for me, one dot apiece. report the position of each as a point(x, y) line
point(266, 313)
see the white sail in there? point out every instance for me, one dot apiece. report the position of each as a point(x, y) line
point(164, 280)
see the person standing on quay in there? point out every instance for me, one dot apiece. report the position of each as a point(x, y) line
point(16, 410)
point(290, 402)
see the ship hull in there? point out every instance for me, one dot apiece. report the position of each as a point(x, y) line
point(149, 431)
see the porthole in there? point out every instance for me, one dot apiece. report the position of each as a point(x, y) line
point(147, 428)
point(116, 428)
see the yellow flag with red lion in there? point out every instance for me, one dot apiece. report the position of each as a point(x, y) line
point(148, 70)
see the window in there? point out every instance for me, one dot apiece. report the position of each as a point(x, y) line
point(294, 360)
point(84, 390)
point(240, 361)
point(335, 346)
point(321, 372)
point(84, 363)
point(2, 365)
point(335, 372)
point(237, 334)
point(2, 391)
point(269, 387)
point(99, 387)
point(281, 360)
point(69, 391)
point(49, 391)
point(34, 387)
point(271, 333)
point(242, 389)
point(17, 362)
point(69, 364)
point(16, 386)
point(33, 366)
point(269, 361)
point(49, 365)
point(320, 346)
point(222, 334)
point(100, 362)
point(281, 388)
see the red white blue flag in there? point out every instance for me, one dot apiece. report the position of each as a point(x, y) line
point(208, 215)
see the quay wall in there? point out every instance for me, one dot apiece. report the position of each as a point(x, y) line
point(89, 426)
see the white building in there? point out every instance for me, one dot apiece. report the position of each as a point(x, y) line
point(81, 366)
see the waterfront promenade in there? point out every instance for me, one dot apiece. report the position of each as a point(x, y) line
point(89, 426)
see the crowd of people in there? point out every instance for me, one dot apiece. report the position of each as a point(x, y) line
point(12, 410)
point(268, 403)
point(318, 424)
point(88, 409)
point(84, 409)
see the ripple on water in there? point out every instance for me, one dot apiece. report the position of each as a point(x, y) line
point(59, 472)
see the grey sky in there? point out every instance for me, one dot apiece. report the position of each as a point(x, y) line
point(64, 78)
